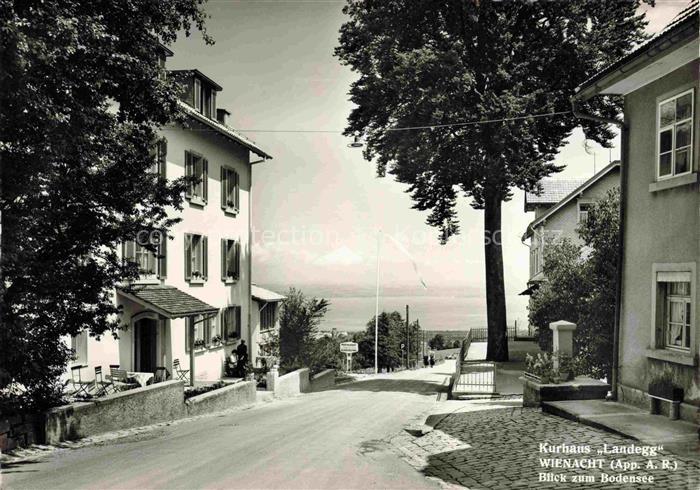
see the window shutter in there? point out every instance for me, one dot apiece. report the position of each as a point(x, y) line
point(162, 157)
point(128, 251)
point(163, 252)
point(188, 257)
point(205, 254)
point(237, 185)
point(224, 268)
point(205, 179)
point(238, 321)
point(188, 173)
point(237, 260)
point(224, 188)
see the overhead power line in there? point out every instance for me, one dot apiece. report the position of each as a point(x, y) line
point(407, 128)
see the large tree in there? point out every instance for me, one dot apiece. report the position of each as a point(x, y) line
point(510, 65)
point(83, 92)
point(299, 318)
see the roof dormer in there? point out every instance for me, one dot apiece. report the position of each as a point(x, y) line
point(199, 91)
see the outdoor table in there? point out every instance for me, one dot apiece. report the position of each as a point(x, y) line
point(141, 378)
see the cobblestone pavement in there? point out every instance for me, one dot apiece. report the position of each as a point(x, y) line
point(500, 449)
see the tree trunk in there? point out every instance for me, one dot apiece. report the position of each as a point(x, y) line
point(497, 347)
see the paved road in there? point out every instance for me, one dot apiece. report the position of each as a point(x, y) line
point(332, 439)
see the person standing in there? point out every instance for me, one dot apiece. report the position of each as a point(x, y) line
point(242, 354)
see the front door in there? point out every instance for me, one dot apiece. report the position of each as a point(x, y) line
point(146, 334)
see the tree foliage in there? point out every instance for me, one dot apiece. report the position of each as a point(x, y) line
point(437, 342)
point(82, 95)
point(299, 318)
point(436, 63)
point(580, 287)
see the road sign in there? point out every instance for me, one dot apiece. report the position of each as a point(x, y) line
point(349, 347)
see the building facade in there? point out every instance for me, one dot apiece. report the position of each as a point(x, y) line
point(192, 302)
point(559, 208)
point(658, 328)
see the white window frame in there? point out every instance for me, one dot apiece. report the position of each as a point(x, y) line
point(197, 257)
point(588, 205)
point(197, 89)
point(686, 324)
point(230, 190)
point(672, 128)
point(228, 244)
point(663, 273)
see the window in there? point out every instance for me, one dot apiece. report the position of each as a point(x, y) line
point(204, 98)
point(198, 94)
point(160, 157)
point(195, 258)
point(583, 210)
point(231, 322)
point(152, 264)
point(677, 314)
point(267, 316)
point(229, 190)
point(539, 245)
point(197, 167)
point(78, 344)
point(675, 138)
point(230, 260)
point(205, 331)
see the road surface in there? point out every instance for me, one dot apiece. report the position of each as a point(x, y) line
point(331, 439)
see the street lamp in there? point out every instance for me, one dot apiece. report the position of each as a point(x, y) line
point(356, 141)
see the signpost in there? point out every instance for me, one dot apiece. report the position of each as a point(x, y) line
point(349, 348)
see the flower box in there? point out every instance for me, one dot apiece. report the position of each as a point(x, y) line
point(665, 390)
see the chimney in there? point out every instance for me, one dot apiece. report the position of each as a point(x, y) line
point(222, 116)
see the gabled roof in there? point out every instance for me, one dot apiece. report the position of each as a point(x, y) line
point(552, 191)
point(168, 301)
point(229, 133)
point(263, 294)
point(200, 75)
point(570, 197)
point(683, 27)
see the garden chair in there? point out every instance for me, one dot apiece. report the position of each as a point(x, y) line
point(182, 374)
point(120, 380)
point(102, 387)
point(81, 389)
point(161, 374)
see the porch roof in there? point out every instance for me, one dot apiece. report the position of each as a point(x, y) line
point(168, 301)
point(262, 294)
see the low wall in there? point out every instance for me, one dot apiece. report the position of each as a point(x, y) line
point(581, 388)
point(323, 380)
point(19, 431)
point(292, 384)
point(230, 396)
point(160, 402)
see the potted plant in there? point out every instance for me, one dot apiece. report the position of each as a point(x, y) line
point(199, 344)
point(216, 340)
point(539, 368)
point(566, 368)
point(196, 274)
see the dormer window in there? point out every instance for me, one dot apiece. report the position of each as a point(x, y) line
point(204, 98)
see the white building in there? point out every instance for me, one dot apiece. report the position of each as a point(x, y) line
point(196, 294)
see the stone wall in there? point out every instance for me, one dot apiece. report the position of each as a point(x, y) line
point(134, 408)
point(19, 431)
point(235, 395)
point(323, 380)
point(292, 384)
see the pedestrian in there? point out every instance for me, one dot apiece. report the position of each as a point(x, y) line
point(432, 361)
point(242, 354)
point(425, 361)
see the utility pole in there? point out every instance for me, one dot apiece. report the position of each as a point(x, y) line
point(408, 341)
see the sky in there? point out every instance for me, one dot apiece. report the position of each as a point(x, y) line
point(318, 206)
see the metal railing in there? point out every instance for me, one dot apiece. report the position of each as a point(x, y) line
point(473, 377)
point(482, 334)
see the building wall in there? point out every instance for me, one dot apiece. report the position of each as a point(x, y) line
point(212, 221)
point(660, 227)
point(565, 221)
point(258, 336)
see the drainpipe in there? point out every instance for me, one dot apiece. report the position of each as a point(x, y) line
point(624, 135)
